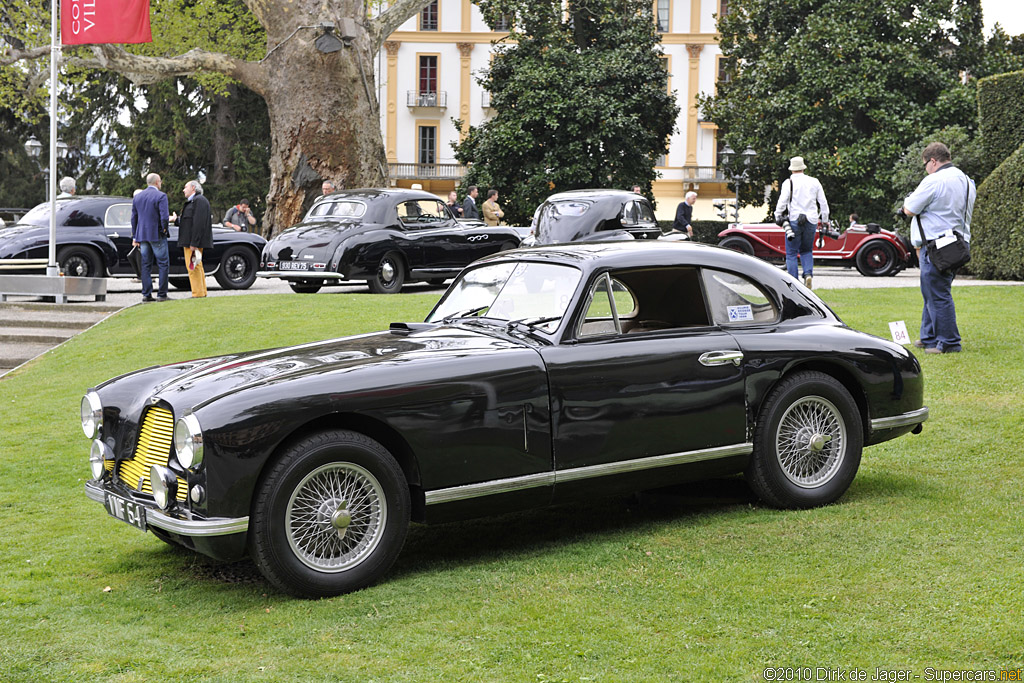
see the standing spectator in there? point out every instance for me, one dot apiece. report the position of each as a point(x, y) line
point(195, 233)
point(801, 196)
point(636, 189)
point(469, 209)
point(327, 187)
point(684, 215)
point(492, 212)
point(150, 233)
point(238, 217)
point(453, 204)
point(943, 204)
point(67, 187)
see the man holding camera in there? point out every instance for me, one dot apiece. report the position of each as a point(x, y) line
point(801, 198)
point(943, 204)
point(239, 217)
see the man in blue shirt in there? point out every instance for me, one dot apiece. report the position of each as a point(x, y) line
point(942, 204)
point(150, 233)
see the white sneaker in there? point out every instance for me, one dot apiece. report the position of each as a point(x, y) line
point(807, 282)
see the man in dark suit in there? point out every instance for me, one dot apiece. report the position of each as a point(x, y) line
point(684, 215)
point(150, 233)
point(195, 233)
point(469, 209)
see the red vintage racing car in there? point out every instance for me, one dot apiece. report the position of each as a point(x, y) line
point(873, 250)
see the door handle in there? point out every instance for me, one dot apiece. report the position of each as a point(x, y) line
point(712, 358)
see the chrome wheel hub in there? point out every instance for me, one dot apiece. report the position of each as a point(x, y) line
point(387, 271)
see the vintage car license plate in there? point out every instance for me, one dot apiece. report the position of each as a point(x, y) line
point(293, 265)
point(126, 511)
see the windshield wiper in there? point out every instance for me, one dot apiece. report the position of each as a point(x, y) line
point(530, 323)
point(463, 314)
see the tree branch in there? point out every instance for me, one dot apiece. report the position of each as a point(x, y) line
point(140, 69)
point(14, 55)
point(394, 16)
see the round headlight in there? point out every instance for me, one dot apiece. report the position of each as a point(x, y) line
point(97, 454)
point(164, 485)
point(188, 441)
point(92, 414)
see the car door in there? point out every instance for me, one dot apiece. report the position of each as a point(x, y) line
point(438, 240)
point(117, 226)
point(647, 382)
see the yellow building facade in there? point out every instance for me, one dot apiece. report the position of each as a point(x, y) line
point(427, 77)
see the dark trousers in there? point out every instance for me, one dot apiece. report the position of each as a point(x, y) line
point(154, 250)
point(938, 319)
point(803, 246)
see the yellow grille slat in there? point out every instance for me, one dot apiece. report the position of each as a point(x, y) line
point(154, 448)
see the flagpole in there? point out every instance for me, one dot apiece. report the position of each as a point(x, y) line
point(51, 266)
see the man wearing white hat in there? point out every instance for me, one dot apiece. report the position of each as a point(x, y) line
point(804, 200)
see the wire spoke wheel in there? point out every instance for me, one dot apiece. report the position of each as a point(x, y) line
point(335, 517)
point(811, 441)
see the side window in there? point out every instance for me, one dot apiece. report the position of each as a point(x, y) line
point(422, 213)
point(118, 216)
point(610, 304)
point(735, 300)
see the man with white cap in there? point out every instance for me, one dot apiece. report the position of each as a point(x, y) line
point(804, 200)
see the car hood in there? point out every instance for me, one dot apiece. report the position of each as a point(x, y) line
point(311, 235)
point(201, 382)
point(21, 230)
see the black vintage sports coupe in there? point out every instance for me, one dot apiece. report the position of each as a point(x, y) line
point(592, 216)
point(94, 239)
point(542, 375)
point(385, 237)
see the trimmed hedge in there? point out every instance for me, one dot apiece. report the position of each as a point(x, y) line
point(1001, 113)
point(997, 228)
point(703, 231)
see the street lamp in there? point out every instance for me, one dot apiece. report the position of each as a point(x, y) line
point(34, 149)
point(737, 169)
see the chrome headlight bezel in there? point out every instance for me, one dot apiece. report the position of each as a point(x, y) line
point(188, 441)
point(92, 414)
point(99, 453)
point(164, 484)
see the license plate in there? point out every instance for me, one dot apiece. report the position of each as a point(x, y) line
point(126, 511)
point(293, 265)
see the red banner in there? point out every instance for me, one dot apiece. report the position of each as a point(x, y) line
point(86, 22)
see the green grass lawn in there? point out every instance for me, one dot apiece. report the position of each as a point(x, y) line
point(918, 566)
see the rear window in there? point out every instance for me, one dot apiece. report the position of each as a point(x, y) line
point(339, 209)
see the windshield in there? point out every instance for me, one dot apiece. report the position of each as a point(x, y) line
point(40, 215)
point(509, 291)
point(340, 208)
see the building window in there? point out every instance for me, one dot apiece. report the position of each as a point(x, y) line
point(428, 74)
point(428, 144)
point(428, 17)
point(723, 8)
point(724, 70)
point(663, 15)
point(502, 24)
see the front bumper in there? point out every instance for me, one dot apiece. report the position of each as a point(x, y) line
point(183, 525)
point(300, 274)
point(911, 419)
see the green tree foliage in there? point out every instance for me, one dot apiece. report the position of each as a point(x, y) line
point(997, 229)
point(1001, 113)
point(847, 85)
point(581, 99)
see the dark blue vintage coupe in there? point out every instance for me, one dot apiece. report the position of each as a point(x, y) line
point(542, 375)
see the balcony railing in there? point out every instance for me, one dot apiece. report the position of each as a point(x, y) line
point(707, 174)
point(433, 171)
point(419, 98)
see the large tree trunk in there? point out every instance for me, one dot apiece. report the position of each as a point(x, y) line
point(324, 124)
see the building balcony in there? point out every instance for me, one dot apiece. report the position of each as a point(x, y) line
point(702, 174)
point(422, 98)
point(400, 171)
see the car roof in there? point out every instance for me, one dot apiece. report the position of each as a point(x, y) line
point(593, 195)
point(373, 193)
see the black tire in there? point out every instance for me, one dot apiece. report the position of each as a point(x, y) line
point(237, 268)
point(877, 258)
point(389, 276)
point(807, 443)
point(737, 244)
point(180, 282)
point(310, 539)
point(306, 286)
point(79, 261)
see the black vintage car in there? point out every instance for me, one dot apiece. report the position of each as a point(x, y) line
point(592, 216)
point(94, 239)
point(542, 375)
point(385, 237)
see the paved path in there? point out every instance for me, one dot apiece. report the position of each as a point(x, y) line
point(30, 327)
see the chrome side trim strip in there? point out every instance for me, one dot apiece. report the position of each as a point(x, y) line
point(490, 488)
point(914, 417)
point(184, 527)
